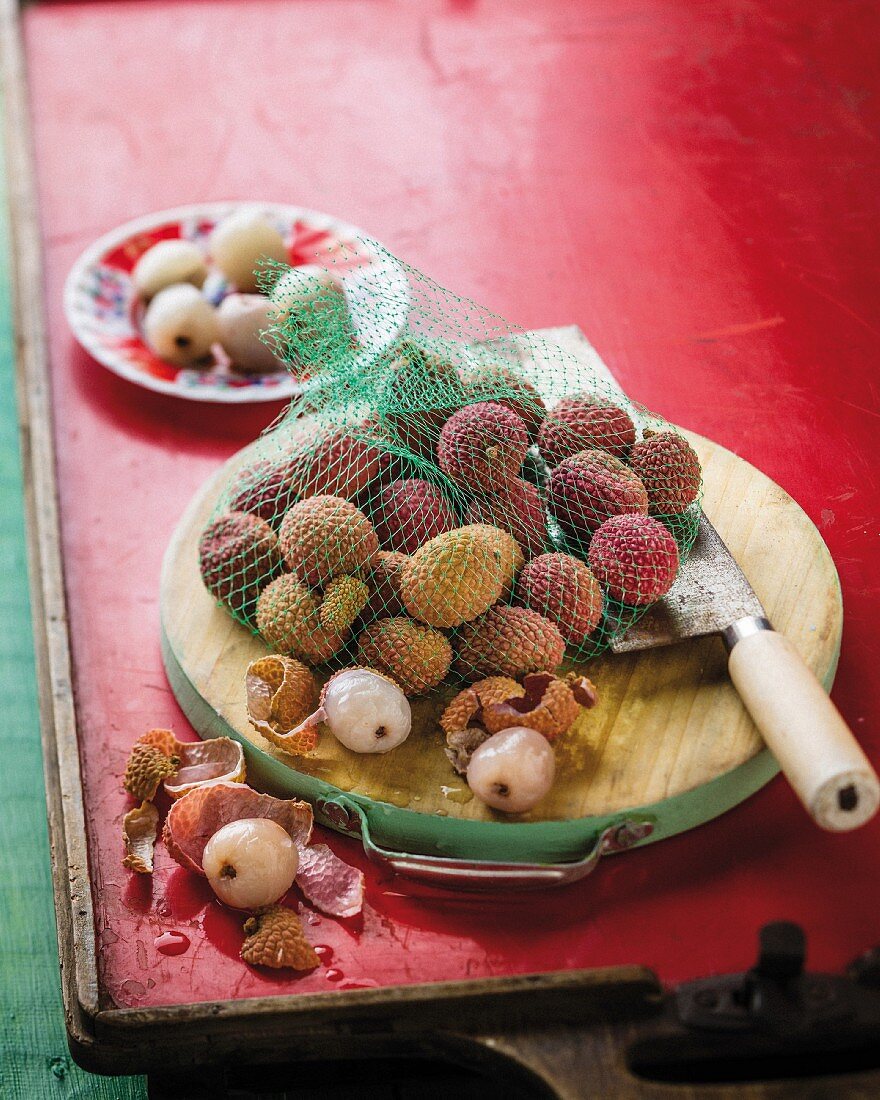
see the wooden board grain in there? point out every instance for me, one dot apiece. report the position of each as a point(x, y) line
point(668, 720)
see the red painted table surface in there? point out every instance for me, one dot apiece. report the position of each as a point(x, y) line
point(694, 184)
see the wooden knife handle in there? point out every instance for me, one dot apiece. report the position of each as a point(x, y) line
point(804, 730)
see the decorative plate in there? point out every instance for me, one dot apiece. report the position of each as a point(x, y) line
point(104, 312)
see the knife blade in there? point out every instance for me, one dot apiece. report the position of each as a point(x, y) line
point(801, 726)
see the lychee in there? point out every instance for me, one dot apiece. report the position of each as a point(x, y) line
point(324, 536)
point(344, 599)
point(416, 657)
point(502, 386)
point(563, 590)
point(421, 392)
point(635, 557)
point(383, 580)
point(456, 576)
point(512, 770)
point(288, 618)
point(265, 489)
point(408, 513)
point(587, 488)
point(583, 423)
point(482, 444)
point(238, 555)
point(338, 462)
point(508, 641)
point(516, 507)
point(670, 471)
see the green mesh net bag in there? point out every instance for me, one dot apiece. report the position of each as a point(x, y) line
point(449, 497)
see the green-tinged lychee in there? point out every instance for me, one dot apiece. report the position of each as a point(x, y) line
point(408, 513)
point(482, 444)
point(238, 555)
point(324, 536)
point(563, 590)
point(458, 575)
point(416, 657)
point(344, 599)
point(589, 487)
point(288, 617)
point(635, 557)
point(670, 471)
point(508, 641)
point(583, 423)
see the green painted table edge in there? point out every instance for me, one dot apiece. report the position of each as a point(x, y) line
point(35, 1061)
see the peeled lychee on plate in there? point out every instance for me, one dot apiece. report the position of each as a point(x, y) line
point(324, 536)
point(670, 471)
point(482, 444)
point(516, 507)
point(241, 242)
point(589, 487)
point(583, 423)
point(563, 590)
point(312, 324)
point(458, 575)
point(180, 326)
point(242, 319)
point(508, 641)
point(238, 556)
point(408, 513)
point(166, 263)
point(635, 557)
point(416, 657)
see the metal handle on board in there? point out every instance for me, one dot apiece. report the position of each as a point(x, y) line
point(471, 874)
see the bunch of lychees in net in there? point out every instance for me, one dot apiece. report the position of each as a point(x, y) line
point(468, 502)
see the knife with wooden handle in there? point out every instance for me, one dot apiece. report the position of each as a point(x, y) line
point(803, 729)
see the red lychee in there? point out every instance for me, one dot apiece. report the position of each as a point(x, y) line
point(563, 590)
point(505, 388)
point(482, 445)
point(265, 490)
point(334, 462)
point(238, 556)
point(635, 557)
point(508, 641)
point(383, 580)
point(583, 423)
point(515, 507)
point(422, 391)
point(589, 487)
point(408, 513)
point(670, 471)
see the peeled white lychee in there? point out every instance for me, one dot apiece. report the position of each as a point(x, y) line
point(240, 242)
point(512, 770)
point(240, 320)
point(180, 326)
point(250, 863)
point(308, 287)
point(365, 711)
point(166, 263)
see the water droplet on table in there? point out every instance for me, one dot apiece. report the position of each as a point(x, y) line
point(324, 952)
point(171, 943)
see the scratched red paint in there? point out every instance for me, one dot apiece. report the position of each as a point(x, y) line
point(695, 185)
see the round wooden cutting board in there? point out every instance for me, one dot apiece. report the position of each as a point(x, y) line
point(669, 743)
